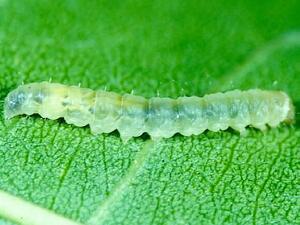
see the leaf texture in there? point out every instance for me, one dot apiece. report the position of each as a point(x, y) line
point(170, 48)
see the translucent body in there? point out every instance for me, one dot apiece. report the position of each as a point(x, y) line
point(160, 117)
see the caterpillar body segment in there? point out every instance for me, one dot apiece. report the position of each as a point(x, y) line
point(133, 115)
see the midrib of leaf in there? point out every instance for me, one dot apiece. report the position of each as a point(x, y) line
point(284, 41)
point(25, 213)
point(103, 210)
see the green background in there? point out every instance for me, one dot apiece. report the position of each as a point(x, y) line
point(165, 48)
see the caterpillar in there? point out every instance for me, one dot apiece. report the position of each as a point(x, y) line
point(133, 115)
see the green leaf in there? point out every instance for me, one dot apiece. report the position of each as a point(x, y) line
point(58, 171)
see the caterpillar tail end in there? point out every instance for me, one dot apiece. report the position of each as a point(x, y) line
point(290, 118)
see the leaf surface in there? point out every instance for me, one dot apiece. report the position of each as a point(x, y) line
point(173, 48)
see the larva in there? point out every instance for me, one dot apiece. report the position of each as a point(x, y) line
point(159, 117)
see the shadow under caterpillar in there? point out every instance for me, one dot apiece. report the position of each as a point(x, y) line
point(133, 115)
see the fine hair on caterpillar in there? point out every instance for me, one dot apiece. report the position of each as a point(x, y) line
point(134, 115)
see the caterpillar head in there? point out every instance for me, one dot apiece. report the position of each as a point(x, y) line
point(24, 100)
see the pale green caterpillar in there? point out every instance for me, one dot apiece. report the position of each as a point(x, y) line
point(159, 117)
